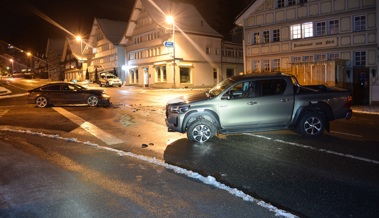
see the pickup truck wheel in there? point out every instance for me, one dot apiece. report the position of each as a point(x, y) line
point(312, 125)
point(201, 130)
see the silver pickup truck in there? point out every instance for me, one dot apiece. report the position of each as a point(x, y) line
point(258, 102)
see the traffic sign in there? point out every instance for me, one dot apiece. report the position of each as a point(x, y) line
point(168, 44)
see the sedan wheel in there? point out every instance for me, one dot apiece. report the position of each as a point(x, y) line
point(41, 101)
point(92, 101)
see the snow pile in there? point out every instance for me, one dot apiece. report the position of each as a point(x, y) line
point(209, 180)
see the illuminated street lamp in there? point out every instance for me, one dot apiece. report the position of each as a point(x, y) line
point(12, 71)
point(79, 39)
point(170, 20)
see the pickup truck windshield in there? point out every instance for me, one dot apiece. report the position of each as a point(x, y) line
point(215, 91)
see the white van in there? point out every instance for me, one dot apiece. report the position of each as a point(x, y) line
point(108, 79)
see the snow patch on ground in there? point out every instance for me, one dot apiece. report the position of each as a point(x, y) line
point(209, 180)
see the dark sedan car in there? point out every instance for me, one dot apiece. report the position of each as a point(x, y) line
point(66, 93)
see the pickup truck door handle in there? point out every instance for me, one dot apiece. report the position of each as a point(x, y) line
point(251, 102)
point(284, 100)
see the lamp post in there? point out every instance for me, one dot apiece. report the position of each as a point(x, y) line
point(12, 71)
point(79, 39)
point(31, 65)
point(170, 20)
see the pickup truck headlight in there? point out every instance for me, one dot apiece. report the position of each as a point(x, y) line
point(179, 109)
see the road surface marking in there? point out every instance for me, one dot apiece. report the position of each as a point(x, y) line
point(3, 112)
point(89, 127)
point(315, 149)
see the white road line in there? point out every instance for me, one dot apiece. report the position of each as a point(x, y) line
point(89, 127)
point(3, 112)
point(315, 149)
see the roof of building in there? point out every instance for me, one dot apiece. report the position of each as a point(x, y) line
point(186, 17)
point(113, 30)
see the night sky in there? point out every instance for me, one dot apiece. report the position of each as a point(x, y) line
point(21, 26)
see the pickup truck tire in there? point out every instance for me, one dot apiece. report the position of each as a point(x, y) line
point(201, 130)
point(312, 124)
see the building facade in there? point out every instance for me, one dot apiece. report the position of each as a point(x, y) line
point(332, 42)
point(184, 53)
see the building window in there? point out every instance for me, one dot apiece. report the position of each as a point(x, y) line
point(333, 27)
point(320, 28)
point(266, 65)
point(161, 73)
point(333, 56)
point(266, 36)
point(256, 38)
point(307, 29)
point(291, 2)
point(360, 58)
point(256, 66)
point(208, 50)
point(320, 57)
point(296, 31)
point(229, 72)
point(276, 35)
point(308, 58)
point(359, 23)
point(296, 59)
point(280, 3)
point(276, 64)
point(185, 75)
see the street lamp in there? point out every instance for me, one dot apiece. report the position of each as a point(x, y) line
point(12, 71)
point(170, 20)
point(79, 39)
point(31, 65)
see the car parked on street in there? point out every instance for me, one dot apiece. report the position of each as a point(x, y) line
point(258, 102)
point(63, 93)
point(108, 79)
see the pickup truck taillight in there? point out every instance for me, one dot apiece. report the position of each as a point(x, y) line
point(349, 102)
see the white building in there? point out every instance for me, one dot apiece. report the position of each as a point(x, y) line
point(333, 42)
point(152, 45)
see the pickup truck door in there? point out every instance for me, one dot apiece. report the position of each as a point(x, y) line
point(238, 108)
point(275, 102)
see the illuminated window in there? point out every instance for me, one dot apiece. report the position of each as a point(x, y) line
point(296, 31)
point(307, 29)
point(302, 30)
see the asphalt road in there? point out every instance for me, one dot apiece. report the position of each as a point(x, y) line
point(333, 176)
